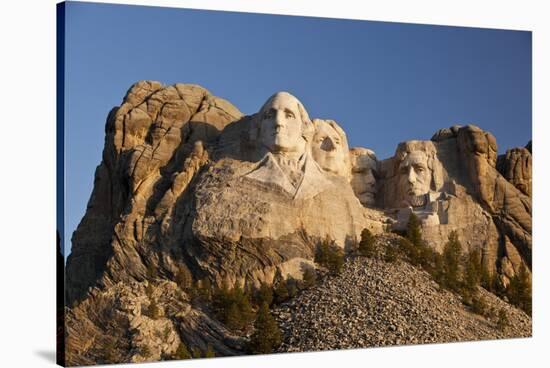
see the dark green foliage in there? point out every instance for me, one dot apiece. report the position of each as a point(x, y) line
point(233, 307)
point(391, 254)
point(209, 353)
point(519, 290)
point(414, 233)
point(414, 247)
point(281, 292)
point(309, 278)
point(109, 354)
point(264, 294)
point(202, 292)
point(330, 255)
point(366, 245)
point(267, 335)
point(472, 271)
point(292, 287)
point(182, 352)
point(154, 310)
point(502, 321)
point(196, 352)
point(451, 262)
point(183, 278)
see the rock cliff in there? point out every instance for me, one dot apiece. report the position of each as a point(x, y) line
point(188, 182)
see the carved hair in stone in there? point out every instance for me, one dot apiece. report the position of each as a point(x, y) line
point(364, 166)
point(330, 147)
point(419, 171)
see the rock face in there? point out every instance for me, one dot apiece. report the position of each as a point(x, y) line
point(189, 182)
point(452, 184)
point(516, 167)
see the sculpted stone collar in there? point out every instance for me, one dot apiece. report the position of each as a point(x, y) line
point(313, 180)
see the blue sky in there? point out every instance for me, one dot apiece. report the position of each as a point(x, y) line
point(383, 82)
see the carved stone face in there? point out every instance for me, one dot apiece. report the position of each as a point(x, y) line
point(414, 174)
point(329, 149)
point(281, 125)
point(363, 180)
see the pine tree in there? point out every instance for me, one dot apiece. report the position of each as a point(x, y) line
point(182, 352)
point(472, 271)
point(281, 292)
point(292, 287)
point(451, 262)
point(519, 290)
point(366, 245)
point(209, 353)
point(264, 294)
point(309, 278)
point(391, 254)
point(266, 336)
point(414, 233)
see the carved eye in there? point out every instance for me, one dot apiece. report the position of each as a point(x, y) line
point(419, 169)
point(268, 115)
point(289, 115)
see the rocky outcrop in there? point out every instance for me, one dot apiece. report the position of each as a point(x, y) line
point(188, 182)
point(373, 303)
point(186, 179)
point(141, 322)
point(155, 144)
point(452, 184)
point(516, 167)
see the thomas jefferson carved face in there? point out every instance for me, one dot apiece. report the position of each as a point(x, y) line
point(281, 124)
point(414, 174)
point(330, 148)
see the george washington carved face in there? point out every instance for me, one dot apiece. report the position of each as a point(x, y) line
point(282, 121)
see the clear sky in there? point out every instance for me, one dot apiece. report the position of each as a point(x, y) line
point(382, 82)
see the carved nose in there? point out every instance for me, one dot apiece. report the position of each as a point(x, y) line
point(328, 145)
point(411, 176)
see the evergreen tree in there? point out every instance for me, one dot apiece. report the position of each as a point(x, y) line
point(266, 336)
point(182, 352)
point(233, 318)
point(414, 232)
point(330, 255)
point(292, 287)
point(264, 294)
point(209, 353)
point(196, 352)
point(309, 278)
point(391, 254)
point(366, 245)
point(451, 262)
point(281, 292)
point(519, 290)
point(472, 271)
